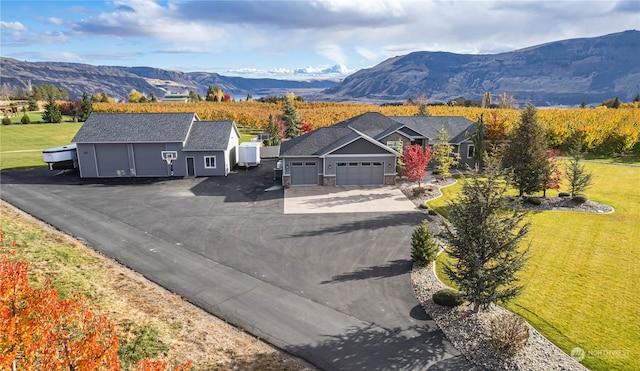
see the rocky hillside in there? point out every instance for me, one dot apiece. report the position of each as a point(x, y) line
point(565, 72)
point(568, 72)
point(117, 82)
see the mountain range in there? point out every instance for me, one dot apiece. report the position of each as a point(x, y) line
point(567, 72)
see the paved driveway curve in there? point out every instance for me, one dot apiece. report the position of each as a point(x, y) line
point(333, 289)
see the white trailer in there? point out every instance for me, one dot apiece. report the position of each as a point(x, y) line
point(249, 154)
point(65, 157)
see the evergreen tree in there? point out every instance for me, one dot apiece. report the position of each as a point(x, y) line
point(86, 106)
point(33, 104)
point(526, 156)
point(577, 176)
point(153, 98)
point(423, 246)
point(484, 240)
point(291, 119)
point(52, 112)
point(25, 119)
point(443, 153)
point(194, 96)
point(274, 132)
point(477, 137)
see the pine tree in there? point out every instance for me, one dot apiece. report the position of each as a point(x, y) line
point(274, 132)
point(443, 153)
point(526, 156)
point(52, 112)
point(291, 119)
point(87, 107)
point(423, 246)
point(478, 139)
point(484, 241)
point(577, 176)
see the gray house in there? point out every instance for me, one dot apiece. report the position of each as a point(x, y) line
point(138, 144)
point(363, 150)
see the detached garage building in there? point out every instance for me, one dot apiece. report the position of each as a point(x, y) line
point(137, 144)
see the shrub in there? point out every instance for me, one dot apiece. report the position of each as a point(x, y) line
point(423, 247)
point(432, 212)
point(424, 205)
point(448, 297)
point(6, 121)
point(563, 194)
point(580, 198)
point(145, 344)
point(418, 191)
point(509, 333)
point(534, 200)
point(25, 119)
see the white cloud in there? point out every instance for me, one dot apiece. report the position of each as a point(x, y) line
point(14, 26)
point(56, 21)
point(332, 52)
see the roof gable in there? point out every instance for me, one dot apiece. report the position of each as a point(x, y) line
point(428, 126)
point(373, 124)
point(210, 135)
point(135, 127)
point(317, 142)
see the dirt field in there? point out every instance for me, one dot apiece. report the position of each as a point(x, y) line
point(129, 299)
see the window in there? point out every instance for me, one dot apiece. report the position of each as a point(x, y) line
point(365, 164)
point(296, 164)
point(377, 164)
point(470, 151)
point(353, 164)
point(209, 162)
point(309, 164)
point(341, 164)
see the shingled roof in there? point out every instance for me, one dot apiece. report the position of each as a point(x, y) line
point(317, 142)
point(135, 127)
point(210, 135)
point(428, 126)
point(373, 124)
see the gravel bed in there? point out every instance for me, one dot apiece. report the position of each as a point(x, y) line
point(470, 332)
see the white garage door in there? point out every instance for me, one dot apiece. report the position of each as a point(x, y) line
point(359, 173)
point(304, 173)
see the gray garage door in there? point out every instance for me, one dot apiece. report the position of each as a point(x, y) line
point(304, 173)
point(359, 173)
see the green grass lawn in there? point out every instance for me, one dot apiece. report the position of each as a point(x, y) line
point(583, 278)
point(33, 138)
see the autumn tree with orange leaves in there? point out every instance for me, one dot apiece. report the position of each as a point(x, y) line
point(41, 331)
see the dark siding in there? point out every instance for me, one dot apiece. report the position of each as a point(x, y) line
point(148, 160)
point(112, 159)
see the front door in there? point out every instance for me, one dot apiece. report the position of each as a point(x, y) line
point(191, 171)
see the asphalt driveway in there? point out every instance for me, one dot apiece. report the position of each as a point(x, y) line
point(333, 289)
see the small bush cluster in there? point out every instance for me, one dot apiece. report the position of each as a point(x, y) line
point(25, 120)
point(424, 206)
point(448, 297)
point(6, 121)
point(509, 333)
point(432, 212)
point(419, 191)
point(533, 200)
point(564, 194)
point(580, 198)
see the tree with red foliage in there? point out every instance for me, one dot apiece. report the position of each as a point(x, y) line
point(552, 177)
point(227, 97)
point(415, 160)
point(306, 126)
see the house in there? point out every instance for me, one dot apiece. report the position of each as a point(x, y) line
point(180, 98)
point(363, 150)
point(155, 145)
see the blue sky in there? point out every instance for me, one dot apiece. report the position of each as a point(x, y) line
point(290, 39)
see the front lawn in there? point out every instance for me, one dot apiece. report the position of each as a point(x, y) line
point(583, 278)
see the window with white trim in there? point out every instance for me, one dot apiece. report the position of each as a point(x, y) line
point(470, 151)
point(396, 145)
point(209, 162)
